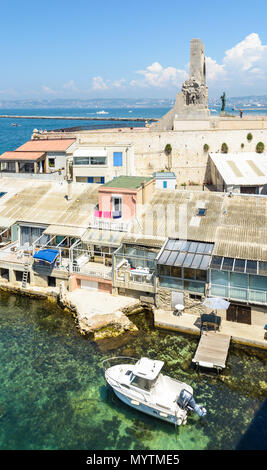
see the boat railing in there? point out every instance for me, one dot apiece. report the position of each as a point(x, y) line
point(132, 360)
point(107, 361)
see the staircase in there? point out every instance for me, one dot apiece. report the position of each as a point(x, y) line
point(25, 274)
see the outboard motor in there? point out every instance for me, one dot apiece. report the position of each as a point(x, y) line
point(186, 401)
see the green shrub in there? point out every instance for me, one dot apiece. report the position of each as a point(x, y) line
point(205, 147)
point(249, 136)
point(168, 149)
point(260, 147)
point(224, 148)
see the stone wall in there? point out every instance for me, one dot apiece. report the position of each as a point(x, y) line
point(189, 160)
point(192, 306)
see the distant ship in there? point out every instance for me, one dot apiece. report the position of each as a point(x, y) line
point(102, 112)
point(14, 124)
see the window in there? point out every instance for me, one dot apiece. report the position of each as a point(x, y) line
point(201, 212)
point(219, 277)
point(51, 162)
point(201, 275)
point(228, 264)
point(96, 179)
point(51, 281)
point(189, 273)
point(98, 161)
point(195, 297)
point(239, 265)
point(116, 204)
point(141, 382)
point(176, 271)
point(90, 161)
point(251, 267)
point(81, 160)
point(117, 158)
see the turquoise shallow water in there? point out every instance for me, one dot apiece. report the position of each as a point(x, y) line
point(53, 394)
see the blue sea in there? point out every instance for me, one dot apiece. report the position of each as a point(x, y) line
point(53, 393)
point(12, 137)
point(52, 389)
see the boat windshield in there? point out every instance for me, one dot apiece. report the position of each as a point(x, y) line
point(141, 382)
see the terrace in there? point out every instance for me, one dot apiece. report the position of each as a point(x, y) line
point(135, 268)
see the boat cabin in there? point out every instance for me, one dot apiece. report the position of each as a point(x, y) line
point(144, 373)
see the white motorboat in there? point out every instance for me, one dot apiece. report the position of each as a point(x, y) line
point(141, 385)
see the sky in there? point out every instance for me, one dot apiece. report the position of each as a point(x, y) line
point(129, 49)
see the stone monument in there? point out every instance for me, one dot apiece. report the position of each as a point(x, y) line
point(192, 100)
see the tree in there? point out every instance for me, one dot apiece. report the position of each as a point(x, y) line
point(224, 148)
point(260, 147)
point(168, 151)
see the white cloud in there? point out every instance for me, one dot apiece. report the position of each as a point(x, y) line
point(70, 86)
point(157, 76)
point(119, 83)
point(100, 84)
point(48, 90)
point(241, 66)
point(214, 70)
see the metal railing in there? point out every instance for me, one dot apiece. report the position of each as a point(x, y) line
point(109, 224)
point(239, 293)
point(87, 272)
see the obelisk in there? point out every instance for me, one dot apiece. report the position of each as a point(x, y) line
point(192, 100)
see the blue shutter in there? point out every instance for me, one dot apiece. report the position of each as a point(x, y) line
point(164, 184)
point(90, 179)
point(117, 158)
point(102, 179)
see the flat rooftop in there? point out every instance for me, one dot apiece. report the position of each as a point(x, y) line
point(241, 169)
point(127, 182)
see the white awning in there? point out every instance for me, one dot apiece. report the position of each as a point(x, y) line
point(103, 237)
point(90, 152)
point(6, 222)
point(65, 231)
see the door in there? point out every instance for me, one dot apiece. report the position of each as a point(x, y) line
point(89, 285)
point(164, 184)
point(239, 314)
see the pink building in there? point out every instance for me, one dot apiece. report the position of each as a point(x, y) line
point(121, 197)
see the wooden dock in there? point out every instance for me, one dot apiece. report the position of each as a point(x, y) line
point(212, 350)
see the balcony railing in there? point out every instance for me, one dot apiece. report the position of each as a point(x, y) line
point(87, 272)
point(108, 223)
point(239, 293)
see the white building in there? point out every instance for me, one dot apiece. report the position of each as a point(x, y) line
point(239, 172)
point(102, 163)
point(165, 180)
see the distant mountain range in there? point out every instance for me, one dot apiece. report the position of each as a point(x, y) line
point(243, 101)
point(87, 103)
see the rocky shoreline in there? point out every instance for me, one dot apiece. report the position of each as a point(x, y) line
point(99, 326)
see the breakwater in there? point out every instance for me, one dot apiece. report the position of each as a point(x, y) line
point(80, 118)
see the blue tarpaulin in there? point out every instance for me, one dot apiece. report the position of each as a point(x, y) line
point(46, 255)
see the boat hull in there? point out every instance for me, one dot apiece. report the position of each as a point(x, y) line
point(140, 406)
